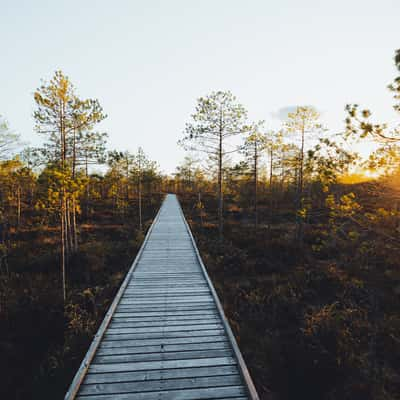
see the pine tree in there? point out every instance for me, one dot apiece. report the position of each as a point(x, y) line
point(218, 117)
point(254, 145)
point(303, 122)
point(60, 116)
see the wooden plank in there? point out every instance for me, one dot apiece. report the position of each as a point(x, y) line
point(166, 272)
point(170, 257)
point(162, 292)
point(164, 318)
point(188, 297)
point(180, 394)
point(194, 305)
point(164, 329)
point(170, 313)
point(149, 365)
point(167, 294)
point(162, 384)
point(165, 280)
point(167, 300)
point(178, 286)
point(170, 276)
point(122, 323)
point(165, 290)
point(118, 342)
point(137, 376)
point(161, 335)
point(160, 287)
point(161, 348)
point(167, 307)
point(161, 356)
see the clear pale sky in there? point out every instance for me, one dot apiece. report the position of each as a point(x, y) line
point(147, 61)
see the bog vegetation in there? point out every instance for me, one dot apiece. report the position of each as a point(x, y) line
point(300, 235)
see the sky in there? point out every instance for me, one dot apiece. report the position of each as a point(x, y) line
point(148, 61)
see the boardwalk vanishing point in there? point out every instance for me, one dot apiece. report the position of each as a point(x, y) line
point(165, 335)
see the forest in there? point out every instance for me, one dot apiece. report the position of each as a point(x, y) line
point(299, 233)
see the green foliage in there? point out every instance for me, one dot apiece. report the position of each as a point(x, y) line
point(385, 160)
point(218, 117)
point(303, 120)
point(395, 86)
point(217, 114)
point(255, 143)
point(359, 124)
point(327, 161)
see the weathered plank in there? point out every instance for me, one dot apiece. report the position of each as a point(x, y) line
point(171, 313)
point(171, 307)
point(144, 318)
point(138, 376)
point(162, 384)
point(163, 341)
point(161, 356)
point(124, 323)
point(149, 365)
point(163, 335)
point(180, 394)
point(162, 348)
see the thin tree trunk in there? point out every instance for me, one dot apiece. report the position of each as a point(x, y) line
point(270, 186)
point(255, 185)
point(64, 250)
point(300, 188)
point(74, 153)
point(140, 202)
point(299, 220)
point(63, 253)
point(220, 190)
point(69, 228)
point(270, 167)
point(87, 185)
point(31, 194)
point(18, 205)
point(127, 184)
point(74, 226)
point(72, 213)
point(200, 210)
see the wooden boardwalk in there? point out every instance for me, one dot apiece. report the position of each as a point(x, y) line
point(165, 335)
